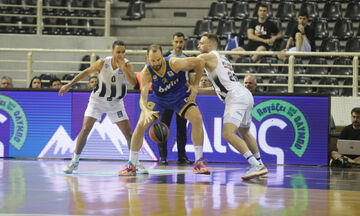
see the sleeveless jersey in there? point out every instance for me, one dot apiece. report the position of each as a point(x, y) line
point(170, 85)
point(112, 83)
point(223, 77)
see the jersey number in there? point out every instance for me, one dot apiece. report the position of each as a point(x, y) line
point(113, 79)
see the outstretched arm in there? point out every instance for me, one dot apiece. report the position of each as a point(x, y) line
point(145, 80)
point(186, 64)
point(85, 73)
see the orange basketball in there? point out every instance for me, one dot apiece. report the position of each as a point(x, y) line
point(159, 132)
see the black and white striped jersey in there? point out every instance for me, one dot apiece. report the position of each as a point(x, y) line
point(223, 77)
point(112, 83)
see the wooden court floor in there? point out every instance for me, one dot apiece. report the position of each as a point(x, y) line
point(38, 187)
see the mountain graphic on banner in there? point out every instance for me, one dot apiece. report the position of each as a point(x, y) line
point(105, 141)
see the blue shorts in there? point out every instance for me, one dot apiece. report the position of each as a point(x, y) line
point(178, 104)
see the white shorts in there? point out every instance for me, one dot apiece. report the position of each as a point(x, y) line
point(115, 109)
point(305, 47)
point(238, 108)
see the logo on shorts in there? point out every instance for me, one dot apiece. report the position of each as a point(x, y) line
point(18, 118)
point(293, 114)
point(120, 114)
point(106, 66)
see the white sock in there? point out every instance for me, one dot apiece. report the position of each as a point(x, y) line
point(76, 157)
point(198, 152)
point(251, 159)
point(134, 156)
point(257, 156)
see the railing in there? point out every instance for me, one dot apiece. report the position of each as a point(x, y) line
point(40, 16)
point(30, 61)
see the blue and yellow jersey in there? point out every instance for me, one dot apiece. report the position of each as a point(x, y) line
point(170, 85)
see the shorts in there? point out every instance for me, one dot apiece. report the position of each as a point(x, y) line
point(180, 105)
point(305, 47)
point(115, 109)
point(238, 108)
point(254, 45)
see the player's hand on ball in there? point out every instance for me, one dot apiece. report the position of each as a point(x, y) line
point(148, 116)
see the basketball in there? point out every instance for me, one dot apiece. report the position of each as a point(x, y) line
point(159, 132)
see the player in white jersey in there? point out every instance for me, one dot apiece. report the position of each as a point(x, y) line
point(114, 72)
point(238, 104)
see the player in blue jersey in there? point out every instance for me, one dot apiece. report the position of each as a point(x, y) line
point(169, 92)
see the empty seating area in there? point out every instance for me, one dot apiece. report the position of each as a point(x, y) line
point(59, 17)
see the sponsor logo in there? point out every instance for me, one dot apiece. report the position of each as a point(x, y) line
point(18, 117)
point(274, 108)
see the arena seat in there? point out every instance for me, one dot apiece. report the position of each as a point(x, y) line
point(328, 90)
point(244, 69)
point(69, 11)
point(86, 30)
point(64, 30)
point(321, 28)
point(191, 43)
point(342, 70)
point(243, 29)
point(286, 11)
point(260, 89)
point(203, 26)
point(303, 81)
point(311, 8)
point(90, 4)
point(240, 10)
point(332, 11)
point(278, 89)
point(352, 45)
point(297, 69)
point(353, 11)
point(218, 11)
point(289, 27)
point(269, 68)
point(47, 10)
point(226, 27)
point(135, 11)
point(343, 29)
point(330, 45)
point(317, 70)
point(348, 91)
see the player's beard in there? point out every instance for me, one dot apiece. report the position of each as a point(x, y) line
point(157, 67)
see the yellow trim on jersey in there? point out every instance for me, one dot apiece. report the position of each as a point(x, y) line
point(164, 71)
point(186, 106)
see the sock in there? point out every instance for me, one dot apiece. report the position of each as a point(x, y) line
point(257, 156)
point(134, 157)
point(198, 152)
point(251, 159)
point(76, 157)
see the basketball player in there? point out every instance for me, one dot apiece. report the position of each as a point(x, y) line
point(106, 97)
point(169, 92)
point(238, 104)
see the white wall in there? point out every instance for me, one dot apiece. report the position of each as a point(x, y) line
point(341, 108)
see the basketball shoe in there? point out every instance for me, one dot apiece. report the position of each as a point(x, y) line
point(255, 171)
point(73, 165)
point(140, 169)
point(129, 170)
point(200, 168)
